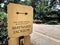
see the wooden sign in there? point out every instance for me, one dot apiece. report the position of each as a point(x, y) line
point(20, 20)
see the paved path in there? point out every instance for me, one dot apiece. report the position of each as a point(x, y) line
point(45, 34)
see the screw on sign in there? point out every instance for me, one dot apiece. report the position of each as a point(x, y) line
point(22, 13)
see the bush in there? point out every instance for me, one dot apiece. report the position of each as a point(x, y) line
point(3, 27)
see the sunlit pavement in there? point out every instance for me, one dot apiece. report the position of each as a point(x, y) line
point(45, 34)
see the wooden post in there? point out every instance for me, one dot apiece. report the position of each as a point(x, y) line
point(13, 41)
point(26, 40)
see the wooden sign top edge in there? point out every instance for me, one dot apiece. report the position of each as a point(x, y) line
point(19, 5)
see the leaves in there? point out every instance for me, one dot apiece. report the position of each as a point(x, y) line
point(3, 26)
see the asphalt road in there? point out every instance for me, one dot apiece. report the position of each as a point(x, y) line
point(45, 34)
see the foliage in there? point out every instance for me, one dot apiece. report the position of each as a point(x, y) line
point(44, 12)
point(3, 26)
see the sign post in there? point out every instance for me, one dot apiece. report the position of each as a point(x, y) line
point(27, 40)
point(20, 21)
point(13, 41)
